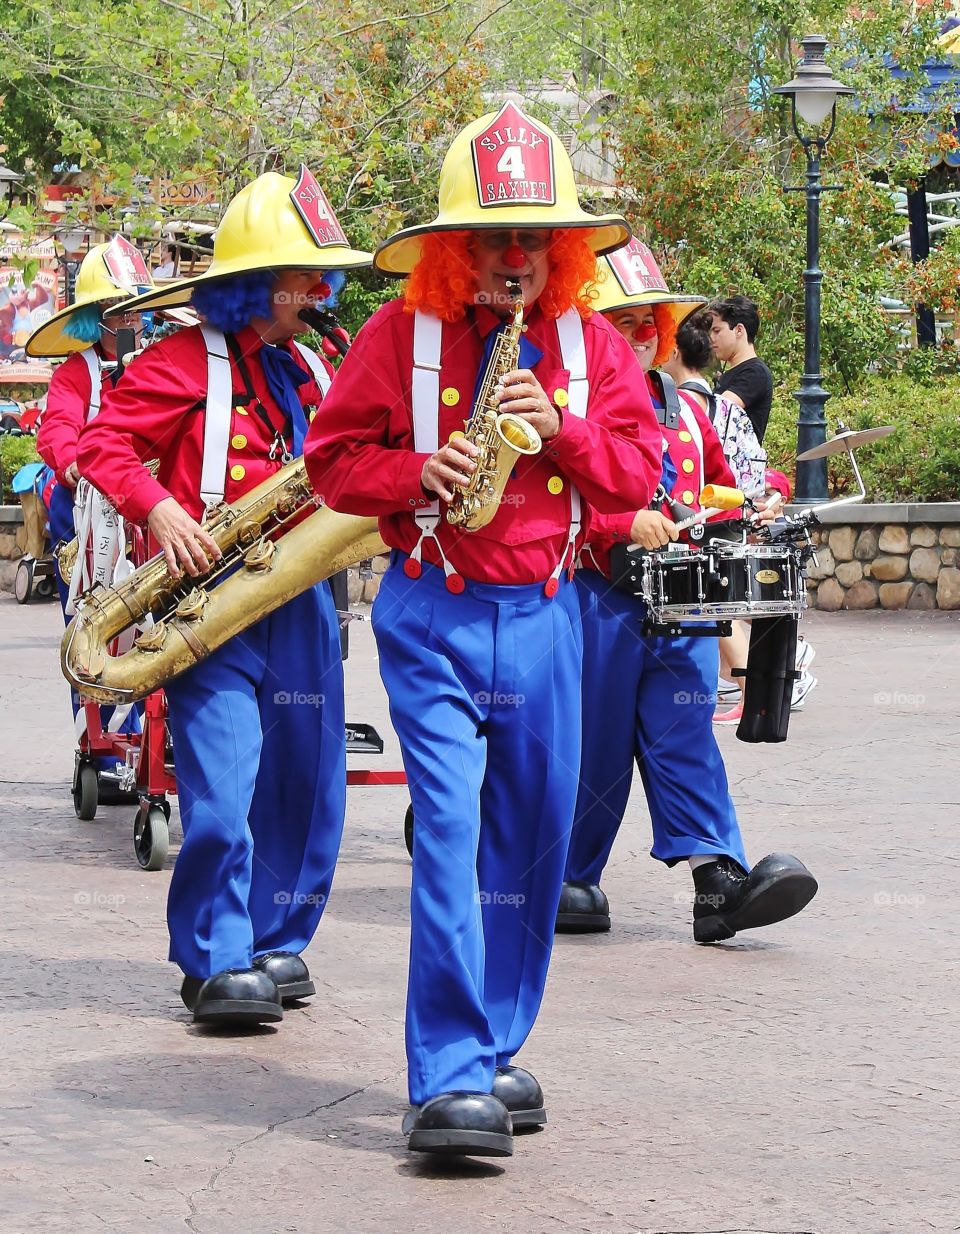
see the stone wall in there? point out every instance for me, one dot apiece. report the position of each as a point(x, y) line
point(911, 560)
point(11, 537)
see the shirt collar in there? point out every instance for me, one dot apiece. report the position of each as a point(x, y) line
point(486, 320)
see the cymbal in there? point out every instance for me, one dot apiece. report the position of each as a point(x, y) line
point(848, 439)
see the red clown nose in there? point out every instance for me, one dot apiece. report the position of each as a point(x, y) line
point(514, 257)
point(645, 332)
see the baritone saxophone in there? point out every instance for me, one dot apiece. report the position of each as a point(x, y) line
point(273, 549)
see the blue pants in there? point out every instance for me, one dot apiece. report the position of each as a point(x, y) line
point(485, 697)
point(259, 746)
point(60, 517)
point(649, 700)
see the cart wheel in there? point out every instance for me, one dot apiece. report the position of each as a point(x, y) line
point(23, 584)
point(408, 829)
point(45, 587)
point(151, 837)
point(85, 792)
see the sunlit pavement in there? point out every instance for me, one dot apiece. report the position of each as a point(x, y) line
point(800, 1078)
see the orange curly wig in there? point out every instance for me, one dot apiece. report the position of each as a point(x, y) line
point(666, 333)
point(444, 282)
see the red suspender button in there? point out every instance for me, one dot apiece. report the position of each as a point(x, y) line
point(456, 584)
point(551, 587)
point(412, 569)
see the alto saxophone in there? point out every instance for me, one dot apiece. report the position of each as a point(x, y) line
point(500, 436)
point(268, 558)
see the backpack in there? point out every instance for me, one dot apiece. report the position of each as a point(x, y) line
point(742, 450)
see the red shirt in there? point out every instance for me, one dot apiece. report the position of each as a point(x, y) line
point(609, 529)
point(360, 456)
point(156, 411)
point(68, 402)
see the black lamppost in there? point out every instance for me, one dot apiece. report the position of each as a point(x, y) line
point(813, 96)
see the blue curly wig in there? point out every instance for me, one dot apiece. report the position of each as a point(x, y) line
point(231, 303)
point(84, 324)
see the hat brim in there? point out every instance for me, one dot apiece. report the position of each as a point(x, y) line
point(681, 307)
point(399, 254)
point(176, 295)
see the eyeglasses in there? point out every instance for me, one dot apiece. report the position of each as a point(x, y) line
point(529, 241)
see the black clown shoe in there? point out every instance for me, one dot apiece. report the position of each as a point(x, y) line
point(461, 1123)
point(729, 899)
point(583, 909)
point(238, 997)
point(288, 973)
point(189, 991)
point(522, 1095)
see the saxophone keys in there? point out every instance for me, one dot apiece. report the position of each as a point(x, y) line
point(153, 639)
point(192, 605)
point(260, 557)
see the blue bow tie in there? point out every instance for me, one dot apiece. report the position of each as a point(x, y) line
point(529, 355)
point(284, 379)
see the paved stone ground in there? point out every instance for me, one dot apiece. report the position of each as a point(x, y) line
point(803, 1078)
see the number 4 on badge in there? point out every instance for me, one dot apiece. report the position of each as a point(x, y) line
point(511, 161)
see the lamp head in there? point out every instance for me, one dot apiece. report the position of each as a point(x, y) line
point(814, 90)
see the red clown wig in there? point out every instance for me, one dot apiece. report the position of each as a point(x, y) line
point(444, 282)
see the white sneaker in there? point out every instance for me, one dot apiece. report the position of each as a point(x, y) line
point(727, 691)
point(805, 654)
point(801, 689)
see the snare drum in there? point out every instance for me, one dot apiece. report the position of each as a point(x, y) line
point(719, 583)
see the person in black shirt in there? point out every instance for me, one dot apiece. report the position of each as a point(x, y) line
point(746, 379)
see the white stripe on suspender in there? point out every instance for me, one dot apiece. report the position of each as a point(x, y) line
point(217, 418)
point(573, 354)
point(425, 407)
point(92, 361)
point(317, 367)
point(693, 428)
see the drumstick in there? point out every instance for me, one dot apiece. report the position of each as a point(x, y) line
point(700, 517)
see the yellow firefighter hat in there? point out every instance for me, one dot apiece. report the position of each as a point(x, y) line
point(275, 223)
point(113, 271)
point(631, 278)
point(505, 170)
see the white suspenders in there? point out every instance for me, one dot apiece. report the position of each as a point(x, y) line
point(218, 416)
point(689, 422)
point(425, 408)
point(317, 367)
point(92, 361)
